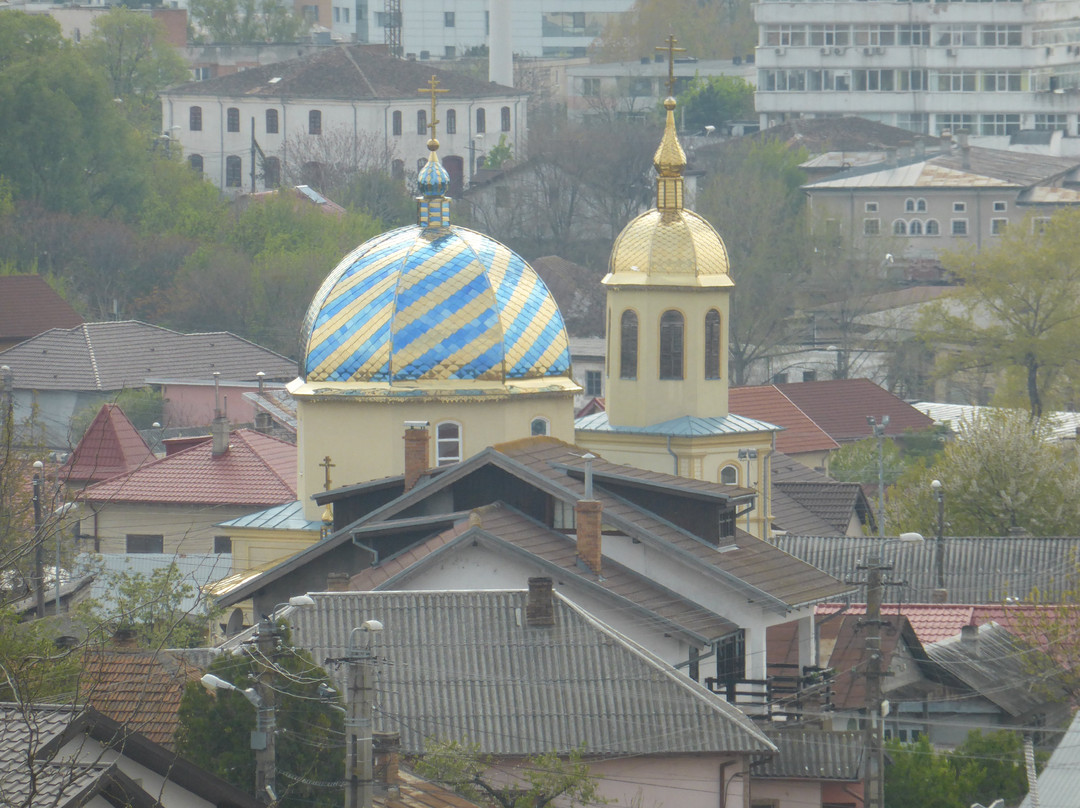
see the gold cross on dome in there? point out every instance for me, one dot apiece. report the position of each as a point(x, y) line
point(671, 51)
point(432, 88)
point(327, 465)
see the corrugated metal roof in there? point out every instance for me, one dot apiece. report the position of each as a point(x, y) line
point(960, 416)
point(193, 569)
point(812, 754)
point(1059, 782)
point(977, 569)
point(688, 426)
point(464, 665)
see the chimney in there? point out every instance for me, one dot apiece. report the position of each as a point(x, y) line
point(337, 582)
point(387, 748)
point(589, 514)
point(539, 610)
point(219, 429)
point(965, 149)
point(920, 148)
point(940, 596)
point(969, 638)
point(500, 43)
point(416, 451)
point(124, 639)
point(890, 156)
point(263, 422)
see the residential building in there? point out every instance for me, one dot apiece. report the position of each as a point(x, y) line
point(811, 767)
point(1057, 784)
point(111, 446)
point(341, 106)
point(29, 306)
point(990, 68)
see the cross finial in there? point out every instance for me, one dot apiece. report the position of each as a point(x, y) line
point(327, 465)
point(432, 89)
point(671, 51)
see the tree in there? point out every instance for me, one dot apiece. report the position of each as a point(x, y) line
point(1003, 471)
point(919, 776)
point(24, 36)
point(858, 462)
point(1016, 309)
point(714, 101)
point(244, 21)
point(534, 783)
point(705, 30)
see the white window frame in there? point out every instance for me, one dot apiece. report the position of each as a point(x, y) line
point(729, 467)
point(454, 442)
point(959, 227)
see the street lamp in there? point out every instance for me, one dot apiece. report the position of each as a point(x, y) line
point(939, 549)
point(358, 724)
point(879, 433)
point(262, 738)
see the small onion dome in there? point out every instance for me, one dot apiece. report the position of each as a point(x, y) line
point(433, 180)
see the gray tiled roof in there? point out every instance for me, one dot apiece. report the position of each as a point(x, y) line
point(111, 356)
point(1059, 782)
point(977, 570)
point(833, 502)
point(812, 754)
point(464, 665)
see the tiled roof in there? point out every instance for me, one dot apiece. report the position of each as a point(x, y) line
point(812, 754)
point(766, 402)
point(466, 665)
point(834, 502)
point(256, 470)
point(28, 306)
point(504, 525)
point(837, 134)
point(1059, 782)
point(111, 446)
point(345, 73)
point(278, 403)
point(111, 356)
point(977, 570)
point(934, 622)
point(685, 426)
point(790, 516)
point(140, 689)
point(840, 408)
point(414, 792)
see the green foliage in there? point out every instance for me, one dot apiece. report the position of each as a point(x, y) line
point(143, 406)
point(215, 728)
point(498, 154)
point(24, 36)
point(535, 783)
point(1017, 308)
point(714, 101)
point(919, 776)
point(375, 193)
point(32, 668)
point(858, 462)
point(705, 30)
point(1003, 471)
point(244, 21)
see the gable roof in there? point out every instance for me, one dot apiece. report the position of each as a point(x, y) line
point(840, 408)
point(812, 754)
point(256, 470)
point(834, 502)
point(767, 402)
point(28, 306)
point(837, 134)
point(467, 665)
point(106, 357)
point(344, 73)
point(1059, 782)
point(111, 446)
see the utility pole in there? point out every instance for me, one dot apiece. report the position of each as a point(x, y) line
point(879, 433)
point(262, 739)
point(939, 548)
point(359, 773)
point(39, 544)
point(874, 779)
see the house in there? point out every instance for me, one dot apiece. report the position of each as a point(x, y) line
point(526, 673)
point(803, 498)
point(811, 767)
point(29, 306)
point(1057, 784)
point(111, 446)
point(61, 371)
point(346, 105)
point(587, 354)
point(173, 504)
point(70, 757)
point(801, 439)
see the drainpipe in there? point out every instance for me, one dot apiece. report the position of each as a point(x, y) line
point(674, 456)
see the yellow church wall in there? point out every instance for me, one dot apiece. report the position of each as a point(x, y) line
point(252, 548)
point(331, 427)
point(648, 399)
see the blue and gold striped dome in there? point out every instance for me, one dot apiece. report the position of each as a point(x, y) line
point(433, 303)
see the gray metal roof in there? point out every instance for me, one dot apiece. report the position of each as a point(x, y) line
point(687, 426)
point(977, 569)
point(812, 754)
point(195, 569)
point(464, 665)
point(289, 516)
point(1059, 783)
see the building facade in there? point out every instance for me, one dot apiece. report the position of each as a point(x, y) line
point(991, 68)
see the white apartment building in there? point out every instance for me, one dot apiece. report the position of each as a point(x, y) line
point(992, 68)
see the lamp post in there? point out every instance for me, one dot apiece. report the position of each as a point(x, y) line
point(39, 546)
point(473, 149)
point(879, 433)
point(874, 779)
point(939, 548)
point(358, 725)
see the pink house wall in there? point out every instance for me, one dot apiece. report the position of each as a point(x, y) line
point(193, 404)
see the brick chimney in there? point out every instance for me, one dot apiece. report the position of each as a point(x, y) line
point(539, 609)
point(263, 422)
point(219, 428)
point(387, 749)
point(337, 582)
point(588, 514)
point(416, 451)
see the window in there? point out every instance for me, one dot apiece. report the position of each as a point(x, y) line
point(421, 122)
point(780, 378)
point(271, 167)
point(809, 375)
point(337, 14)
point(899, 228)
point(997, 226)
point(628, 338)
point(915, 228)
point(956, 81)
point(314, 122)
point(1052, 122)
point(1001, 124)
point(233, 172)
point(932, 227)
point(909, 205)
point(594, 384)
point(966, 35)
point(729, 475)
point(1001, 81)
point(671, 345)
point(871, 227)
point(196, 163)
point(712, 344)
point(448, 443)
point(540, 426)
point(959, 207)
point(959, 227)
point(870, 207)
point(271, 122)
point(222, 544)
point(397, 169)
point(504, 116)
point(195, 119)
point(448, 19)
point(1001, 207)
point(451, 122)
point(920, 205)
point(345, 13)
point(481, 122)
point(449, 52)
point(913, 35)
point(1000, 36)
point(144, 543)
point(232, 119)
point(201, 73)
point(396, 122)
point(590, 88)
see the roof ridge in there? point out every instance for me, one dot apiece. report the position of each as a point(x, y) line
point(359, 70)
point(243, 434)
point(85, 327)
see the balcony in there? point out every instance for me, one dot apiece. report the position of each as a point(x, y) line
point(785, 694)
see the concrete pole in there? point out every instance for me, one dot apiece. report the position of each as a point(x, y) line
point(262, 740)
point(39, 546)
point(874, 780)
point(358, 728)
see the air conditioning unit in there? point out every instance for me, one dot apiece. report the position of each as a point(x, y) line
point(866, 51)
point(950, 51)
point(879, 51)
point(838, 51)
point(781, 51)
point(824, 51)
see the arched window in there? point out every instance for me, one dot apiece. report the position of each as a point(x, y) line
point(233, 172)
point(314, 122)
point(196, 163)
point(932, 227)
point(195, 119)
point(729, 475)
point(920, 205)
point(915, 228)
point(397, 169)
point(271, 122)
point(909, 205)
point(671, 345)
point(899, 228)
point(506, 119)
point(271, 172)
point(481, 122)
point(628, 345)
point(396, 122)
point(421, 122)
point(540, 426)
point(232, 119)
point(448, 443)
point(451, 122)
point(712, 344)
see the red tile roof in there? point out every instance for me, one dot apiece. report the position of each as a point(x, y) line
point(29, 306)
point(256, 470)
point(768, 403)
point(840, 407)
point(934, 622)
point(111, 446)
